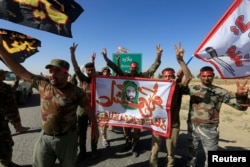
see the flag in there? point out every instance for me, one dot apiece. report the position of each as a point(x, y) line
point(51, 16)
point(227, 45)
point(18, 45)
point(121, 49)
point(133, 102)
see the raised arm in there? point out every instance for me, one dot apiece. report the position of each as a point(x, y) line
point(14, 66)
point(159, 51)
point(186, 72)
point(76, 67)
point(73, 56)
point(93, 57)
point(105, 56)
point(117, 57)
point(150, 72)
point(111, 64)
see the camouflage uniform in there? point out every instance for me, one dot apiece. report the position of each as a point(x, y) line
point(203, 117)
point(58, 139)
point(8, 112)
point(175, 128)
point(133, 138)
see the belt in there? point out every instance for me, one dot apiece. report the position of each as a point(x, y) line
point(60, 134)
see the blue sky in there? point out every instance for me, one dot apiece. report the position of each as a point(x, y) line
point(138, 25)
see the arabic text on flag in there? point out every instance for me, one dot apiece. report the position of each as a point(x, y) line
point(227, 44)
point(51, 16)
point(18, 45)
point(133, 102)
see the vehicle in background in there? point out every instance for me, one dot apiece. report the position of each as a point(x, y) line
point(22, 88)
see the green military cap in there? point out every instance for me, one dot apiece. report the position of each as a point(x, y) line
point(58, 63)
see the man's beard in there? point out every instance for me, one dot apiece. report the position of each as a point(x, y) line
point(55, 83)
point(130, 98)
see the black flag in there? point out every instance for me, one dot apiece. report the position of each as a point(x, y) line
point(47, 15)
point(19, 46)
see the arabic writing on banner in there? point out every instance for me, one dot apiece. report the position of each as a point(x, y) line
point(51, 16)
point(18, 45)
point(227, 44)
point(133, 102)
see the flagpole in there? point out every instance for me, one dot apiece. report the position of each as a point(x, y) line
point(189, 60)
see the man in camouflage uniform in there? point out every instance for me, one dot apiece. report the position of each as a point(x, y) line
point(203, 117)
point(59, 100)
point(84, 76)
point(182, 82)
point(14, 87)
point(132, 140)
point(8, 113)
point(103, 129)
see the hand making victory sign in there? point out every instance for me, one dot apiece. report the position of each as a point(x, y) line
point(159, 50)
point(242, 93)
point(179, 51)
point(242, 89)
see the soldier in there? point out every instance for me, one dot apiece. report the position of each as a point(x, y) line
point(84, 76)
point(183, 78)
point(206, 100)
point(21, 129)
point(8, 113)
point(132, 140)
point(59, 100)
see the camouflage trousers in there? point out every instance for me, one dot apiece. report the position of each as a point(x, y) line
point(206, 136)
point(170, 147)
point(132, 137)
point(6, 144)
point(103, 132)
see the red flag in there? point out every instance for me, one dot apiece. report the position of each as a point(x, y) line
point(227, 44)
point(51, 16)
point(19, 45)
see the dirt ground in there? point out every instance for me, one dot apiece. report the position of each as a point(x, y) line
point(234, 125)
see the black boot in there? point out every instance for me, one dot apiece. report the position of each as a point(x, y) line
point(127, 146)
point(135, 151)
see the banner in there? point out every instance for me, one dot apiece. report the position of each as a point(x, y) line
point(51, 16)
point(227, 45)
point(19, 45)
point(133, 102)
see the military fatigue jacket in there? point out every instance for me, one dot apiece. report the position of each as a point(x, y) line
point(205, 103)
point(147, 74)
point(58, 106)
point(85, 82)
point(8, 105)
